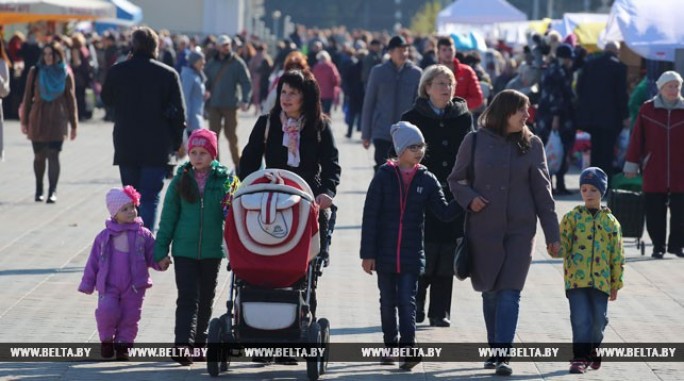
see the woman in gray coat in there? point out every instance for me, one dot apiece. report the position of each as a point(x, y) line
point(509, 190)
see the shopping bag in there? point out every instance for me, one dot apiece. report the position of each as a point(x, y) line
point(554, 152)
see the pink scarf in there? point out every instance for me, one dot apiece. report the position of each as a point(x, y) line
point(291, 132)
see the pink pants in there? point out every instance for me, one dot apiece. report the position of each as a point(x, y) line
point(118, 314)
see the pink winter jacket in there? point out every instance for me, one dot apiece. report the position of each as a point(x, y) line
point(97, 268)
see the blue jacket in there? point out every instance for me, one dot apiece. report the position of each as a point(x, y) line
point(392, 234)
point(193, 93)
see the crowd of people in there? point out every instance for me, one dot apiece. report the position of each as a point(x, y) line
point(459, 140)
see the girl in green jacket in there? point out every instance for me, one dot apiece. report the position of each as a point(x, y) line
point(192, 218)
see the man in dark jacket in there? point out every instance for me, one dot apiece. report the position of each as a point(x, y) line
point(149, 119)
point(602, 111)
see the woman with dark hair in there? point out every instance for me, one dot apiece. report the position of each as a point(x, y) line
point(504, 188)
point(296, 136)
point(49, 105)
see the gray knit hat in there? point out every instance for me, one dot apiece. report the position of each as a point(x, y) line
point(194, 56)
point(405, 134)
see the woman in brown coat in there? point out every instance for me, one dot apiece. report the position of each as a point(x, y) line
point(509, 190)
point(49, 105)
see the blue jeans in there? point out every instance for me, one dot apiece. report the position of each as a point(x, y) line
point(149, 181)
point(500, 310)
point(589, 317)
point(398, 291)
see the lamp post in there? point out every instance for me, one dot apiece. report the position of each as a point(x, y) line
point(275, 16)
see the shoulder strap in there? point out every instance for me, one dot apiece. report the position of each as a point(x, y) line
point(471, 167)
point(268, 127)
point(222, 70)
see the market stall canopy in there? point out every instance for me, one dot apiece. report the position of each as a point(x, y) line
point(127, 14)
point(653, 29)
point(474, 12)
point(586, 26)
point(25, 11)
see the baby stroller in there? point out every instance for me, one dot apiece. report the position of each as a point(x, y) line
point(272, 235)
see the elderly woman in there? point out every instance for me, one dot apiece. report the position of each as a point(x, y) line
point(505, 188)
point(444, 123)
point(49, 105)
point(655, 148)
point(328, 79)
point(296, 136)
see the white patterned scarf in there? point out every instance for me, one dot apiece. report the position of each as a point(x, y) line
point(291, 133)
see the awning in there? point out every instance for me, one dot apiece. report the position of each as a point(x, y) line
point(652, 29)
point(25, 11)
point(127, 14)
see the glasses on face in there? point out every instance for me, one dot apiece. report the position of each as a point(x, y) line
point(416, 147)
point(443, 84)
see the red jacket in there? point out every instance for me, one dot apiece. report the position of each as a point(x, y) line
point(656, 142)
point(467, 85)
point(328, 78)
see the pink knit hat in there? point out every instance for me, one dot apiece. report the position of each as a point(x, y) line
point(204, 138)
point(117, 197)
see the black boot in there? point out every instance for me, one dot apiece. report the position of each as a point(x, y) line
point(39, 193)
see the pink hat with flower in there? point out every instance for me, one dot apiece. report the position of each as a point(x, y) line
point(117, 198)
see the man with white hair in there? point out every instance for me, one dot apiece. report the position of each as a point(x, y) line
point(602, 109)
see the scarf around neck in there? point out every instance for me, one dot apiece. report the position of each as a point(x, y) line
point(291, 133)
point(52, 80)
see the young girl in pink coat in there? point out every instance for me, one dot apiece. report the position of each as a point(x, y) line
point(118, 269)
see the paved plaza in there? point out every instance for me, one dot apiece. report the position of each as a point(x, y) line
point(43, 249)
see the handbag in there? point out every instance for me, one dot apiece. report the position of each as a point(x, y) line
point(463, 256)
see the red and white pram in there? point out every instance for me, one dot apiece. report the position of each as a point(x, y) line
point(272, 229)
point(273, 242)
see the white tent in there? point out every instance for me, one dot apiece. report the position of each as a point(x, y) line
point(477, 12)
point(24, 11)
point(653, 29)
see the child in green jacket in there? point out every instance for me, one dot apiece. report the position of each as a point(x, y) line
point(591, 245)
point(192, 218)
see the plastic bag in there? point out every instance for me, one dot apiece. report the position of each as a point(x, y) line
point(554, 152)
point(621, 148)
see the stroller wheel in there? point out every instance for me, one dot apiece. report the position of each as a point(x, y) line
point(218, 357)
point(325, 341)
point(643, 247)
point(313, 363)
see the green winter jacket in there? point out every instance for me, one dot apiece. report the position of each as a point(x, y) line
point(196, 229)
point(592, 249)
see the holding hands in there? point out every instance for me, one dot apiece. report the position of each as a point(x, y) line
point(553, 249)
point(164, 263)
point(478, 203)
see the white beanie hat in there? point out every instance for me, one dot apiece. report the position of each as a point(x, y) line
point(668, 76)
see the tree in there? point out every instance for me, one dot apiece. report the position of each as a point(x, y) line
point(424, 21)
